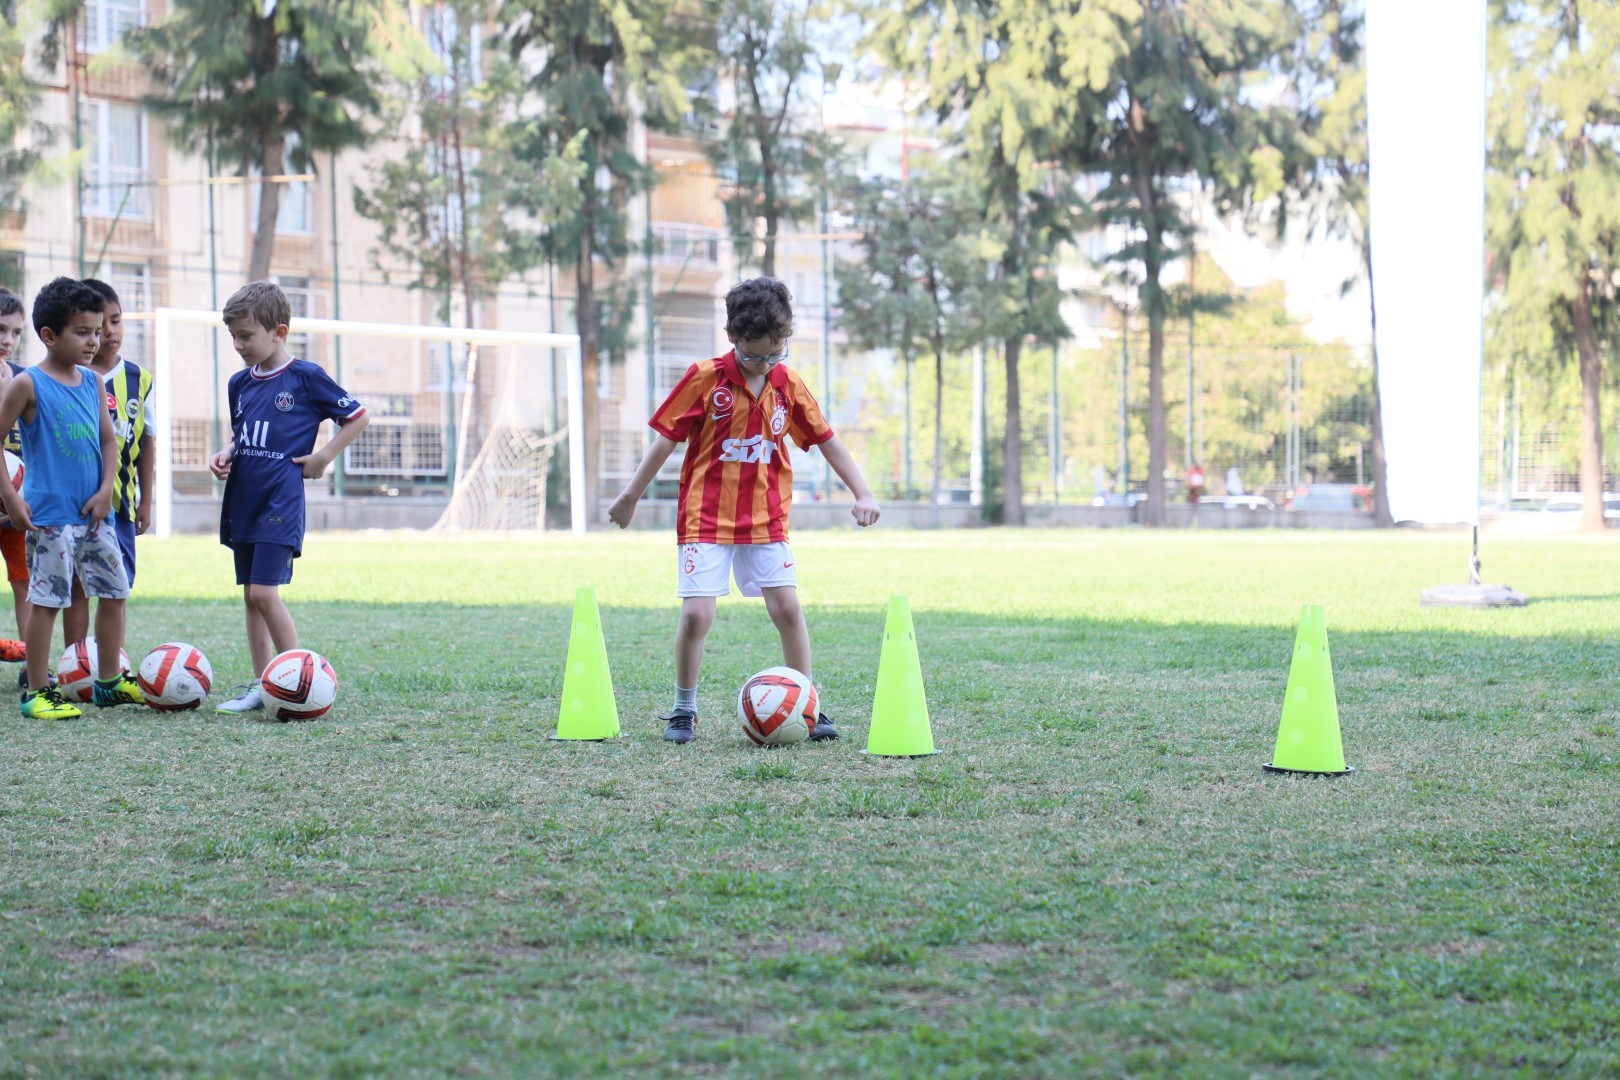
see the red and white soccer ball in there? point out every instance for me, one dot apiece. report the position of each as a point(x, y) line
point(76, 671)
point(777, 707)
point(14, 469)
point(175, 676)
point(298, 685)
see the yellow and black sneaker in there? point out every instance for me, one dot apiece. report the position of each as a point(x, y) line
point(118, 690)
point(49, 704)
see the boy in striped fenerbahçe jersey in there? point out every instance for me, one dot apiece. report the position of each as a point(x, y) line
point(736, 414)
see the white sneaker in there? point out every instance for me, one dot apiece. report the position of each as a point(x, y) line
point(247, 699)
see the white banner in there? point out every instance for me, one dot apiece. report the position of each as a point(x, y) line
point(1426, 125)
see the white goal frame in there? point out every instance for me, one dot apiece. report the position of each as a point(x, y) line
point(166, 318)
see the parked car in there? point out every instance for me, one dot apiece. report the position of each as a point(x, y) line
point(1238, 502)
point(1354, 498)
point(1114, 499)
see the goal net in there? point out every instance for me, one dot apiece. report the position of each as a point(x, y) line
point(425, 427)
point(503, 488)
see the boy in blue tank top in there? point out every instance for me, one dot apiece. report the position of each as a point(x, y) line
point(277, 405)
point(71, 452)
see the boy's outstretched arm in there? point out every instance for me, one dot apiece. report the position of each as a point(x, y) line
point(865, 511)
point(18, 397)
point(624, 507)
point(315, 464)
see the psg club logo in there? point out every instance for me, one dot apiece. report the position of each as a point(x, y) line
point(284, 401)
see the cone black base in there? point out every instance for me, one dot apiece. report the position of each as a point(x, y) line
point(1269, 767)
point(932, 753)
point(605, 738)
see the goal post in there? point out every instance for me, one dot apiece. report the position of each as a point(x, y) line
point(166, 319)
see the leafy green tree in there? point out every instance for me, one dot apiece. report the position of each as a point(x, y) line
point(1175, 119)
point(18, 96)
point(593, 67)
point(441, 201)
point(916, 288)
point(772, 148)
point(1552, 221)
point(1327, 66)
point(272, 84)
point(1005, 79)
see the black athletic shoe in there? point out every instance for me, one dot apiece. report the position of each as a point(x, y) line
point(824, 730)
point(682, 726)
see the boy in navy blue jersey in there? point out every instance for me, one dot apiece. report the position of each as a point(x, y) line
point(276, 407)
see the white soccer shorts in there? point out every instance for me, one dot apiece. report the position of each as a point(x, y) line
point(704, 569)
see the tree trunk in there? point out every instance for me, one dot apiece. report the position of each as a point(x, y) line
point(1154, 508)
point(1012, 447)
point(1380, 465)
point(939, 429)
point(585, 319)
point(272, 162)
point(1591, 408)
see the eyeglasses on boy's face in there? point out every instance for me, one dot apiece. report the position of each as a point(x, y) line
point(769, 360)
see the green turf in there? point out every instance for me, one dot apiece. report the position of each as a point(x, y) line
point(1094, 877)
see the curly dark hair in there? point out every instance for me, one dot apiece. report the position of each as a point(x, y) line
point(758, 308)
point(62, 299)
point(10, 303)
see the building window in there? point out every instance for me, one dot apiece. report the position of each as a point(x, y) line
point(116, 174)
point(105, 21)
point(11, 271)
point(462, 59)
point(133, 284)
point(295, 216)
point(302, 300)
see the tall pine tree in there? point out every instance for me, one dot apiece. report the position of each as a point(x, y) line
point(1005, 78)
point(1552, 218)
point(271, 84)
point(593, 67)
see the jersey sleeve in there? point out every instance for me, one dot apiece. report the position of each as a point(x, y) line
point(150, 410)
point(682, 411)
point(806, 425)
point(329, 400)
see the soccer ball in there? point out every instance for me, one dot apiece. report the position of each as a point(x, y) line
point(175, 676)
point(298, 685)
point(77, 669)
point(777, 707)
point(14, 469)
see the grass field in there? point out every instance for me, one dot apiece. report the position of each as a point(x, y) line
point(1094, 877)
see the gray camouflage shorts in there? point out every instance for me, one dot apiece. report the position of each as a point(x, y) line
point(57, 552)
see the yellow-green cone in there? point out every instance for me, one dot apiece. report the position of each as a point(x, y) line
point(900, 726)
point(588, 708)
point(1308, 738)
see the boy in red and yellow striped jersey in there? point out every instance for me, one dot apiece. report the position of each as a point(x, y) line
point(736, 414)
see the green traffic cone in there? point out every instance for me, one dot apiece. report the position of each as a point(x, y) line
point(900, 725)
point(1308, 739)
point(588, 709)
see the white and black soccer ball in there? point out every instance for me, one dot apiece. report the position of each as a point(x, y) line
point(78, 667)
point(175, 676)
point(777, 707)
point(298, 685)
